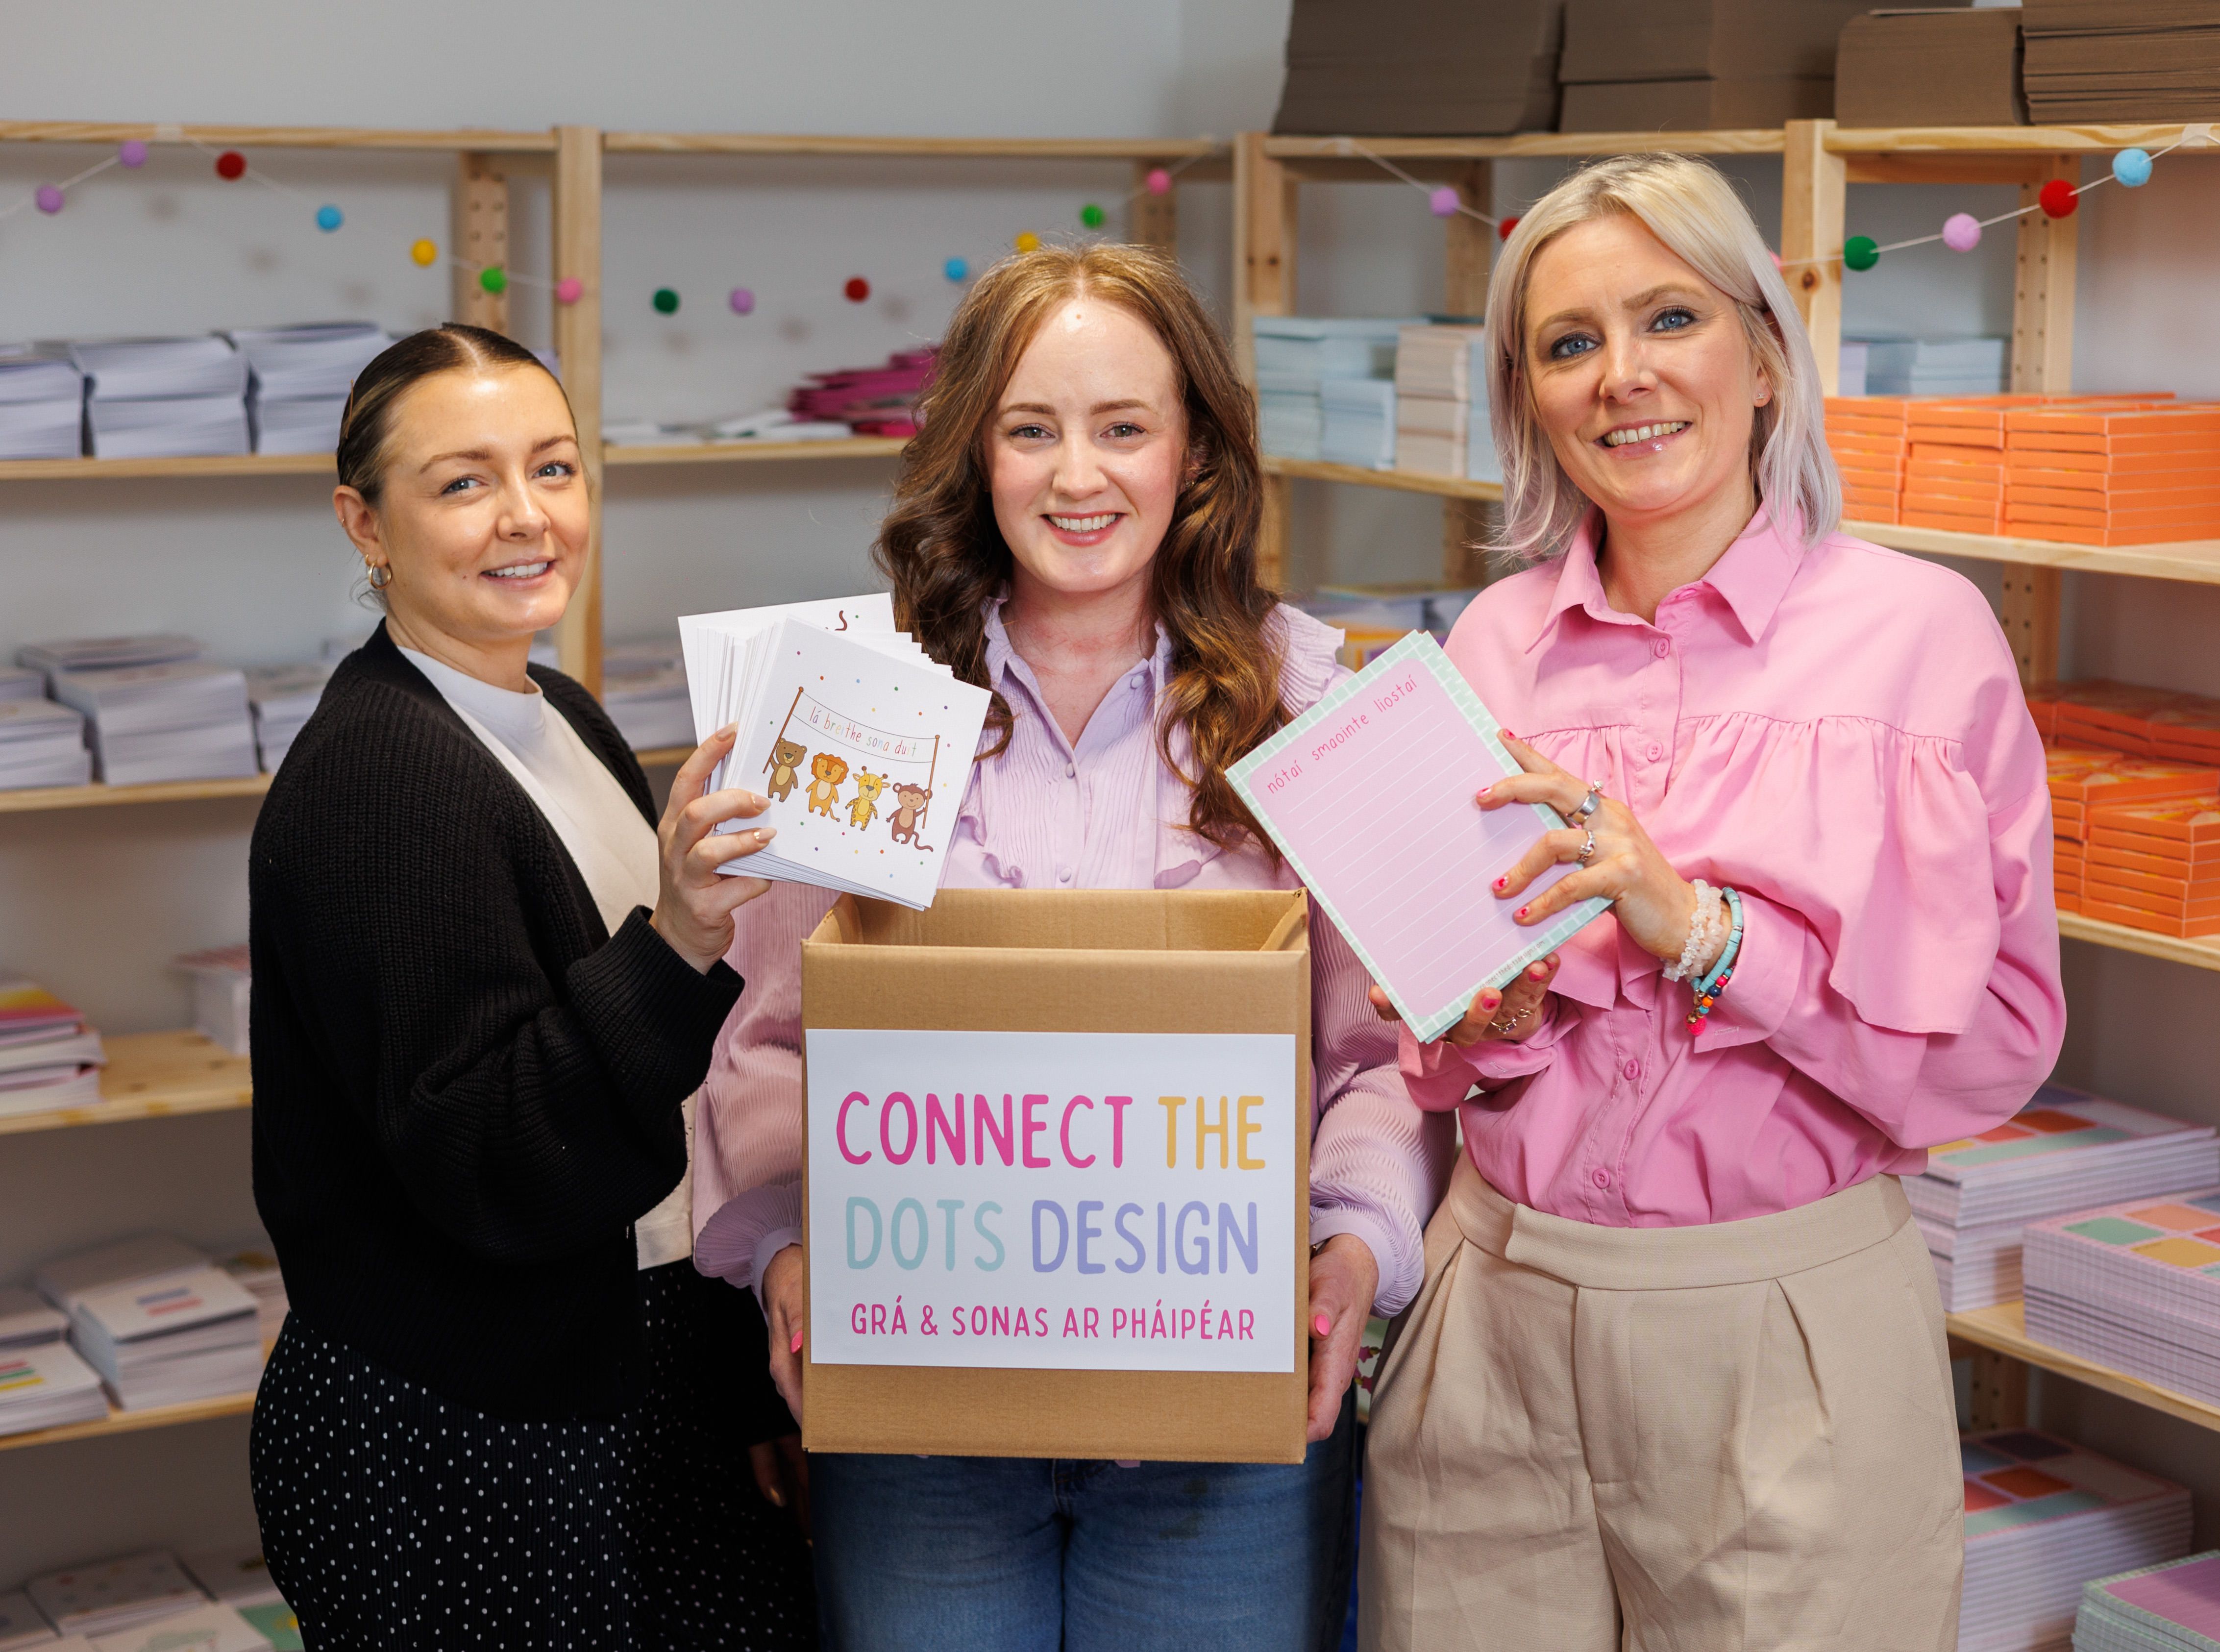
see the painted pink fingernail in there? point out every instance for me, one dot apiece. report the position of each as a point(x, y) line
point(1508, 735)
point(1489, 1001)
point(1536, 972)
point(1500, 881)
point(1322, 1325)
point(795, 1347)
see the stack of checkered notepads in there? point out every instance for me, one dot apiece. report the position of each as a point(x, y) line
point(2066, 1150)
point(2170, 1608)
point(2135, 1287)
point(2044, 1516)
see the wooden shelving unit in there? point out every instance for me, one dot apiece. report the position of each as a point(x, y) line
point(131, 1422)
point(1446, 487)
point(2001, 1331)
point(117, 469)
point(752, 453)
point(150, 1076)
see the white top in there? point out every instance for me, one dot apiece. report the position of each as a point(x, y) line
point(613, 846)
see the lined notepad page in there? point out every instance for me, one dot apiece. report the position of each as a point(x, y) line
point(1369, 795)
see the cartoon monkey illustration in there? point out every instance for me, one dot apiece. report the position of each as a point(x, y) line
point(911, 802)
point(825, 788)
point(865, 808)
point(785, 767)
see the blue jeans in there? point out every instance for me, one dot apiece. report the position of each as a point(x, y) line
point(1030, 1555)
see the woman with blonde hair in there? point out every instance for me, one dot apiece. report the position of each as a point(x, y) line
point(1677, 1376)
point(1073, 529)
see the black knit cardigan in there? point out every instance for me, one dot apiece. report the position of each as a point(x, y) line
point(466, 1089)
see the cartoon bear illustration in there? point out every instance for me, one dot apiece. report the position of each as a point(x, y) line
point(825, 788)
point(865, 808)
point(911, 802)
point(785, 766)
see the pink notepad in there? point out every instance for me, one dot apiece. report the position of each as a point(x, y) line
point(1369, 795)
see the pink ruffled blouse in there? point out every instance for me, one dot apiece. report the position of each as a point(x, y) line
point(1838, 733)
point(1102, 813)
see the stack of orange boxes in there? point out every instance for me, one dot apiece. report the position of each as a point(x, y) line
point(1866, 435)
point(2154, 867)
point(2114, 475)
point(1954, 473)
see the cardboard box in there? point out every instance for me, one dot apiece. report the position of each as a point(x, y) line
point(1610, 41)
point(1958, 66)
point(1694, 105)
point(1422, 68)
point(1115, 997)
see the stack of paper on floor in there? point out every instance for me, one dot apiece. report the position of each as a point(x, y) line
point(41, 744)
point(1407, 883)
point(41, 403)
point(643, 691)
point(1296, 356)
point(158, 1321)
point(257, 1273)
point(211, 1628)
point(162, 398)
point(108, 1597)
point(2122, 61)
point(298, 379)
point(49, 1058)
point(282, 698)
point(2065, 1151)
point(2135, 1286)
point(1440, 403)
point(42, 1383)
point(1429, 68)
point(2043, 1516)
point(1955, 66)
point(221, 986)
point(1696, 65)
point(239, 1578)
point(2173, 1607)
point(863, 743)
point(186, 720)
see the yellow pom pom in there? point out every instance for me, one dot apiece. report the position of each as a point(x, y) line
point(1026, 241)
point(424, 253)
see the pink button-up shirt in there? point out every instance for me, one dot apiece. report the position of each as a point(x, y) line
point(1839, 734)
point(1102, 813)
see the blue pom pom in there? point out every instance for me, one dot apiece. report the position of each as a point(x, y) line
point(329, 218)
point(2132, 168)
point(956, 269)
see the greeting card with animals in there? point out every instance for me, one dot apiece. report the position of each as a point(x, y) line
point(861, 742)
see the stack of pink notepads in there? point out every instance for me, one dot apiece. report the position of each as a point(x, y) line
point(2134, 1285)
point(2170, 1608)
point(870, 401)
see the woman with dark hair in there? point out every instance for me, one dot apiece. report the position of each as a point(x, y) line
point(1074, 529)
point(486, 984)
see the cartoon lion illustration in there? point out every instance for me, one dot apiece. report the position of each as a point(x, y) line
point(865, 808)
point(824, 788)
point(910, 804)
point(785, 766)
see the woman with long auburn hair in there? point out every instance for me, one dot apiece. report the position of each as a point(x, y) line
point(1075, 529)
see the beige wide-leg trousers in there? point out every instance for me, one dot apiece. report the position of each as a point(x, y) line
point(1728, 1438)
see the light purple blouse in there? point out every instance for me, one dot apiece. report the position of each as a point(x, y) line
point(1105, 813)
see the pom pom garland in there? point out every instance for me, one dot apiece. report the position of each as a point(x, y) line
point(856, 289)
point(329, 218)
point(1860, 252)
point(425, 253)
point(742, 299)
point(570, 290)
point(231, 165)
point(1026, 241)
point(2131, 168)
point(956, 269)
point(1503, 229)
point(49, 199)
point(666, 301)
point(493, 278)
point(1444, 203)
point(133, 153)
point(2058, 198)
point(1961, 232)
point(1159, 181)
point(1091, 215)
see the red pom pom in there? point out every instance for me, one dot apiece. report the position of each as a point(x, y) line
point(858, 290)
point(231, 165)
point(2059, 198)
point(1504, 227)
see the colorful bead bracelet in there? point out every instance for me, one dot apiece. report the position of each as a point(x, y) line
point(1708, 989)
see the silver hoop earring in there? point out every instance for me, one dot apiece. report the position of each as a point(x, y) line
point(381, 574)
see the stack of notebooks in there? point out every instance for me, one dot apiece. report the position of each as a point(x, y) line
point(643, 691)
point(1867, 437)
point(1432, 68)
point(163, 398)
point(1440, 403)
point(110, 1596)
point(282, 698)
point(1935, 367)
point(41, 743)
point(1297, 356)
point(180, 720)
point(41, 403)
point(49, 1058)
point(221, 987)
point(1696, 66)
point(1953, 470)
point(160, 1322)
point(2173, 1607)
point(1357, 422)
point(2067, 1149)
point(870, 401)
point(2129, 717)
point(1956, 66)
point(2127, 471)
point(298, 379)
point(2134, 1285)
point(2132, 839)
point(43, 1384)
point(2043, 1516)
point(2143, 60)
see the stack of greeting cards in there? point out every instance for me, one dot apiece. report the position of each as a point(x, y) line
point(2064, 1151)
point(2043, 1518)
point(42, 1383)
point(49, 1058)
point(2170, 1608)
point(109, 1596)
point(2134, 1285)
point(863, 743)
point(159, 1321)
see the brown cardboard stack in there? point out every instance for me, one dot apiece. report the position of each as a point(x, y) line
point(1956, 66)
point(1639, 66)
point(2122, 61)
point(1421, 68)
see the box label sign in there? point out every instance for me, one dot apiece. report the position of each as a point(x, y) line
point(1052, 1201)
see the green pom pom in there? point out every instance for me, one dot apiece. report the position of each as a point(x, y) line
point(494, 279)
point(1860, 252)
point(666, 301)
point(1091, 215)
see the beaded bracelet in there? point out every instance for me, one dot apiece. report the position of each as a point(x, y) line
point(1703, 926)
point(1708, 990)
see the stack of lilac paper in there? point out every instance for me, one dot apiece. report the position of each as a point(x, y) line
point(2133, 1285)
point(2170, 1608)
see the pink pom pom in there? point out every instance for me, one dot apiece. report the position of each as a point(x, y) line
point(570, 290)
point(133, 153)
point(1961, 232)
point(49, 198)
point(743, 300)
point(1445, 201)
point(1159, 181)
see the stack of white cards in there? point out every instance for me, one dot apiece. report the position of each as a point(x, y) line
point(41, 403)
point(222, 986)
point(41, 744)
point(49, 1058)
point(1357, 423)
point(158, 1321)
point(643, 691)
point(42, 1383)
point(1440, 403)
point(1298, 357)
point(105, 654)
point(2066, 1150)
point(863, 743)
point(185, 720)
point(150, 398)
point(109, 1596)
point(282, 698)
point(299, 378)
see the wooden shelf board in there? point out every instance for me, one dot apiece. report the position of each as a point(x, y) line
point(98, 796)
point(2004, 140)
point(2198, 954)
point(281, 137)
point(853, 447)
point(2193, 560)
point(1754, 140)
point(112, 469)
point(152, 1076)
point(1447, 487)
point(756, 143)
point(130, 1422)
point(2003, 1328)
